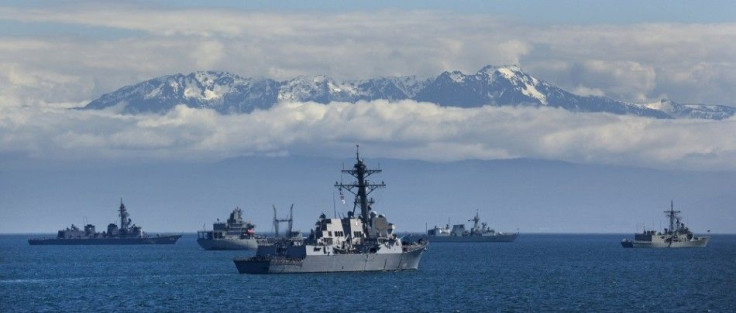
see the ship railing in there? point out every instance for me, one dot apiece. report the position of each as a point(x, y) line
point(276, 260)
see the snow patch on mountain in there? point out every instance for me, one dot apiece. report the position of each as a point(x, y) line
point(156, 92)
point(663, 105)
point(531, 91)
point(457, 77)
point(506, 72)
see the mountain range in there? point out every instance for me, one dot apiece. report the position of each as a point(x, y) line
point(229, 93)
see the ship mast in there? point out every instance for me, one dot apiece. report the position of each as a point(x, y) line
point(672, 214)
point(363, 186)
point(124, 220)
point(475, 220)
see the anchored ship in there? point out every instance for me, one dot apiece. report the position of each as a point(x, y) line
point(367, 242)
point(676, 236)
point(234, 234)
point(479, 233)
point(127, 234)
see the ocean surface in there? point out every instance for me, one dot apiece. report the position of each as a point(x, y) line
point(537, 273)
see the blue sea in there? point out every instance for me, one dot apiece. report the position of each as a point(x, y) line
point(537, 273)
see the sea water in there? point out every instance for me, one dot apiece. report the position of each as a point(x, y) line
point(537, 273)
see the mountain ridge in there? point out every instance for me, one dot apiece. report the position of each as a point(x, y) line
point(229, 93)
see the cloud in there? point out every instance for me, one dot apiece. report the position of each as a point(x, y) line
point(208, 54)
point(405, 129)
point(585, 91)
point(626, 79)
point(105, 48)
point(30, 86)
point(76, 53)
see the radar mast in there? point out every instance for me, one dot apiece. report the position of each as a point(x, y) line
point(361, 188)
point(672, 215)
point(124, 217)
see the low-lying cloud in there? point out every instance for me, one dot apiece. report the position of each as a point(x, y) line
point(405, 129)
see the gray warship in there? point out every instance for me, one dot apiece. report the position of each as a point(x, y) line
point(479, 233)
point(367, 242)
point(127, 234)
point(234, 234)
point(676, 236)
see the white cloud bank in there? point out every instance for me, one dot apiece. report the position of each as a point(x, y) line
point(87, 49)
point(406, 129)
point(54, 57)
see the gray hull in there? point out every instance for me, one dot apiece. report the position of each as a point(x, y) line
point(496, 238)
point(701, 242)
point(107, 241)
point(331, 263)
point(228, 244)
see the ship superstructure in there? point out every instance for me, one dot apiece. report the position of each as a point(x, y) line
point(676, 236)
point(355, 243)
point(480, 232)
point(126, 233)
point(233, 234)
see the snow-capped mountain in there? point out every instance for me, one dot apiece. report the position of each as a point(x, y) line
point(224, 92)
point(700, 111)
point(501, 86)
point(508, 85)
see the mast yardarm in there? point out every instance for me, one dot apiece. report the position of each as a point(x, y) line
point(362, 186)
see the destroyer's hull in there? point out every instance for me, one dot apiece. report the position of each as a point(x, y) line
point(363, 262)
point(695, 243)
point(228, 244)
point(495, 238)
point(171, 239)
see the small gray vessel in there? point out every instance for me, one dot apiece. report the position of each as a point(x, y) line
point(127, 234)
point(234, 234)
point(479, 233)
point(676, 236)
point(367, 242)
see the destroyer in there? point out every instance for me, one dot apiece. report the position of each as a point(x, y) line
point(676, 236)
point(127, 234)
point(476, 234)
point(367, 242)
point(235, 234)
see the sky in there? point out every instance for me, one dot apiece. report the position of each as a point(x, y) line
point(63, 54)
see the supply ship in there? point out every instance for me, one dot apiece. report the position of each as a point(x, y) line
point(127, 234)
point(234, 234)
point(479, 233)
point(676, 236)
point(366, 242)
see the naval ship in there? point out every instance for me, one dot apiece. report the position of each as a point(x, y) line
point(367, 242)
point(234, 234)
point(676, 236)
point(476, 234)
point(127, 234)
